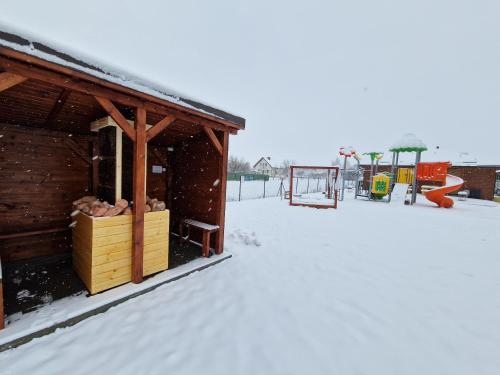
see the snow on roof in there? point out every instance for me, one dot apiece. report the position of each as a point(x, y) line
point(462, 158)
point(439, 154)
point(23, 42)
point(408, 143)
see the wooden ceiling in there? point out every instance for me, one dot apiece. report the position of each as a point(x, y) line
point(39, 104)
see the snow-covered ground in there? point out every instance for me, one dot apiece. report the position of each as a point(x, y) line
point(369, 288)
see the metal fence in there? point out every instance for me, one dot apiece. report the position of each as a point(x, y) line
point(274, 187)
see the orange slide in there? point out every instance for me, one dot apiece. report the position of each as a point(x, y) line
point(437, 195)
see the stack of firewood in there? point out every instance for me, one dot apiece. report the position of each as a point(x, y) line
point(154, 205)
point(92, 206)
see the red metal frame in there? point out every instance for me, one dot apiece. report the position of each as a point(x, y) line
point(329, 168)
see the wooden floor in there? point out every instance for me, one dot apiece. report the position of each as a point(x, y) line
point(28, 285)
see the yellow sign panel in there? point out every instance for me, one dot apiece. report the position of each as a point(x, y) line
point(381, 184)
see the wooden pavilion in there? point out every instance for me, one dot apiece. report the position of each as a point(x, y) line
point(174, 148)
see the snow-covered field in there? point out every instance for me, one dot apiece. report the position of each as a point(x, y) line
point(369, 288)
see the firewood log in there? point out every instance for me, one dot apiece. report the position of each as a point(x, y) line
point(160, 206)
point(121, 203)
point(114, 211)
point(85, 199)
point(81, 206)
point(98, 211)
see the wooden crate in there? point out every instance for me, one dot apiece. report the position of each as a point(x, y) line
point(102, 248)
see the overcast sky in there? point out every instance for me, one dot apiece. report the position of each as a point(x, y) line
point(308, 76)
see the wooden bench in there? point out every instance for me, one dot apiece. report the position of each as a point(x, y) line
point(2, 323)
point(207, 230)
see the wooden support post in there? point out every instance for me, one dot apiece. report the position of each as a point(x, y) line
point(206, 244)
point(214, 140)
point(8, 80)
point(139, 195)
point(118, 163)
point(2, 323)
point(219, 237)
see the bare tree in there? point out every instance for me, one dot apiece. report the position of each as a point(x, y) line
point(236, 164)
point(285, 166)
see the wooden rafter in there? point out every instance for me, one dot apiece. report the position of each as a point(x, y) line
point(59, 104)
point(213, 138)
point(8, 80)
point(117, 116)
point(139, 195)
point(79, 85)
point(159, 127)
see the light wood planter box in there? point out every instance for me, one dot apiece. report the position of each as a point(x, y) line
point(102, 248)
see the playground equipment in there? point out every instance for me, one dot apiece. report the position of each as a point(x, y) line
point(408, 143)
point(379, 184)
point(404, 175)
point(346, 152)
point(327, 199)
point(383, 185)
point(438, 172)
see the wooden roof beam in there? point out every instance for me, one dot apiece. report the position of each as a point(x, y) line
point(8, 80)
point(159, 127)
point(213, 138)
point(117, 116)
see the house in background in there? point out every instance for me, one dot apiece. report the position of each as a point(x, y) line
point(265, 166)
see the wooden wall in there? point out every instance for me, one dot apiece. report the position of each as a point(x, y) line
point(40, 176)
point(157, 183)
point(195, 191)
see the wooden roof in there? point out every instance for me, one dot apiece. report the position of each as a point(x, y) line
point(16, 47)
